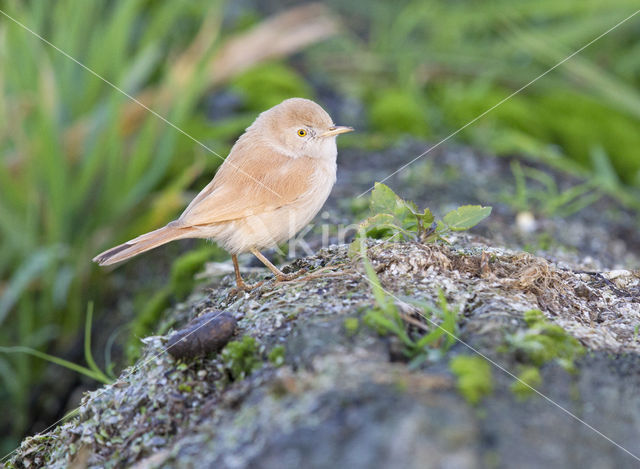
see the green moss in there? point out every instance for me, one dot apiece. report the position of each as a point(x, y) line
point(542, 342)
point(292, 314)
point(182, 366)
point(579, 136)
point(534, 316)
point(474, 377)
point(399, 112)
point(269, 84)
point(276, 355)
point(539, 343)
point(401, 385)
point(351, 325)
point(241, 358)
point(184, 387)
point(530, 375)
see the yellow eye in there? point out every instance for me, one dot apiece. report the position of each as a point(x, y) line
point(302, 132)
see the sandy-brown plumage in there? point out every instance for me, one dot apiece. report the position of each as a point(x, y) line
point(269, 187)
point(259, 180)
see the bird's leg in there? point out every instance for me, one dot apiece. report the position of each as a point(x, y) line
point(280, 276)
point(239, 282)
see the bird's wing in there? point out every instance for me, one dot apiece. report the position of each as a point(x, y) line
point(259, 181)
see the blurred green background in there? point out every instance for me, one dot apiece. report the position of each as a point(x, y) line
point(83, 167)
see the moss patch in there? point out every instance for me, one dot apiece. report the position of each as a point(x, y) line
point(542, 342)
point(351, 326)
point(276, 355)
point(529, 377)
point(241, 358)
point(474, 377)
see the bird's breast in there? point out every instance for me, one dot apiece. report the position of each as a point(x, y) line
point(270, 228)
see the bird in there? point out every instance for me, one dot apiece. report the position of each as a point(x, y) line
point(275, 179)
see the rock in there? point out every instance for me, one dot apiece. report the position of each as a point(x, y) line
point(350, 397)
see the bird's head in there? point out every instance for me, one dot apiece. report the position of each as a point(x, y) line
point(299, 127)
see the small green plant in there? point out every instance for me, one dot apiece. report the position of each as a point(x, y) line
point(539, 343)
point(241, 358)
point(385, 319)
point(276, 355)
point(474, 377)
point(391, 216)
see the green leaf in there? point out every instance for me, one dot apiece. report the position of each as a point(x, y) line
point(383, 199)
point(466, 217)
point(88, 356)
point(392, 215)
point(382, 226)
point(449, 320)
point(425, 217)
point(430, 338)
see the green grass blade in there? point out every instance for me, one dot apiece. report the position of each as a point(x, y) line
point(58, 361)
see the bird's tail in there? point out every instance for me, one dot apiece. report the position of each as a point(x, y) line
point(142, 244)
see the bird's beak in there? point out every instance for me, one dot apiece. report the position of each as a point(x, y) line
point(336, 130)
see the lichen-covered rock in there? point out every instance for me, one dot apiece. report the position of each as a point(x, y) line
point(336, 393)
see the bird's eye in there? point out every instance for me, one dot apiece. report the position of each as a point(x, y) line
point(302, 133)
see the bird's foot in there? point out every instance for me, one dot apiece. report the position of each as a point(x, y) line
point(282, 277)
point(245, 287)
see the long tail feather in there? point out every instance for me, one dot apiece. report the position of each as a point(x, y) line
point(142, 244)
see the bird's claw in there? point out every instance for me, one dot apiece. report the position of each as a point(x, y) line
point(292, 276)
point(245, 287)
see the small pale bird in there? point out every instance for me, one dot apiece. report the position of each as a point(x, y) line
point(277, 176)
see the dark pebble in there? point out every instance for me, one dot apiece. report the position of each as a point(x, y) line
point(203, 335)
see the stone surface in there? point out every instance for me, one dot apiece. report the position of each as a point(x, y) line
point(343, 399)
